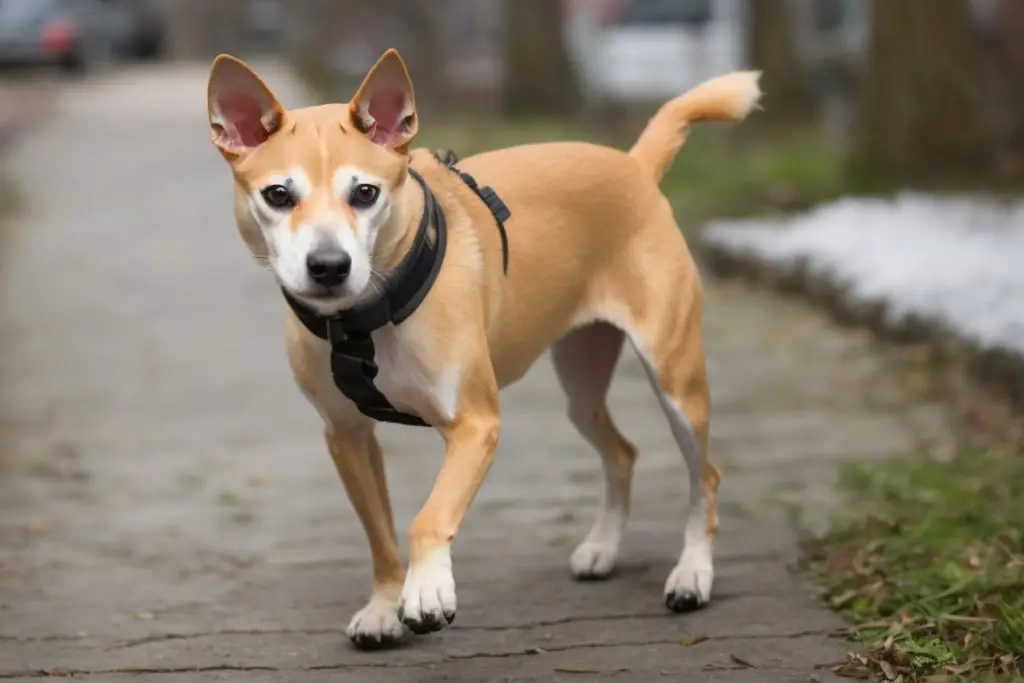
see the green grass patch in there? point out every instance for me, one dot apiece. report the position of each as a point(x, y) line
point(724, 174)
point(928, 564)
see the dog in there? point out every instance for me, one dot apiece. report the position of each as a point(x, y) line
point(416, 294)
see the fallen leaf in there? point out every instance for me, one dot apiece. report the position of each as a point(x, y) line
point(59, 673)
point(688, 639)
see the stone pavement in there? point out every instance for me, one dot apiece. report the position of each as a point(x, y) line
point(168, 511)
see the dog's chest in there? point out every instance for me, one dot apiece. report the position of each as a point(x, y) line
point(408, 381)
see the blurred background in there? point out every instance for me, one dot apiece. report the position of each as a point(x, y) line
point(861, 95)
point(157, 461)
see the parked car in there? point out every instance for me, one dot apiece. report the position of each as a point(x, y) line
point(655, 49)
point(76, 35)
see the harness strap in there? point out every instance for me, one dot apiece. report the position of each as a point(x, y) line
point(497, 207)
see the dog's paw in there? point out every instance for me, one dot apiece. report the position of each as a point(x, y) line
point(593, 560)
point(428, 596)
point(689, 585)
point(377, 625)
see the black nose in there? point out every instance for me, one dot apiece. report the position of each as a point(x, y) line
point(328, 266)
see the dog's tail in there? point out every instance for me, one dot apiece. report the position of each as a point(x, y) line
point(726, 98)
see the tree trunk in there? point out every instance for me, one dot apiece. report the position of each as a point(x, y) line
point(772, 47)
point(1006, 102)
point(539, 76)
point(921, 120)
point(423, 52)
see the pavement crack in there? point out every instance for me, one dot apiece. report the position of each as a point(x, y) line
point(640, 643)
point(69, 673)
point(58, 638)
point(163, 637)
point(443, 657)
point(166, 637)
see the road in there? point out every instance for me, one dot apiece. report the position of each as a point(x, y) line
point(168, 511)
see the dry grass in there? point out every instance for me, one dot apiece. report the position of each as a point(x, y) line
point(930, 568)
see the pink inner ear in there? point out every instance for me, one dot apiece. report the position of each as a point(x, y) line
point(386, 107)
point(242, 116)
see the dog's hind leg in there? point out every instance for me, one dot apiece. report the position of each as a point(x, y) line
point(585, 360)
point(674, 359)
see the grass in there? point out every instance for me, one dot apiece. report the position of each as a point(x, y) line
point(721, 172)
point(929, 567)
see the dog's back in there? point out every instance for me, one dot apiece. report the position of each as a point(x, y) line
point(589, 223)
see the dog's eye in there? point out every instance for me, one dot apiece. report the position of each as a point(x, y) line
point(278, 196)
point(364, 196)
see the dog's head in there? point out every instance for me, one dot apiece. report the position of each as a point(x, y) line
point(316, 189)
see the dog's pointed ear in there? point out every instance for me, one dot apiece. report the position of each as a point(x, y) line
point(243, 111)
point(384, 107)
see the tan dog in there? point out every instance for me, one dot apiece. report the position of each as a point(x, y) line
point(323, 196)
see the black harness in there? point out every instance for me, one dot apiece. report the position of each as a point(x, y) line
point(404, 289)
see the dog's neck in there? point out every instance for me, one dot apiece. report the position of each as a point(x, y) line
point(397, 237)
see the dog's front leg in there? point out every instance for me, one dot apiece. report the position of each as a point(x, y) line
point(428, 597)
point(357, 455)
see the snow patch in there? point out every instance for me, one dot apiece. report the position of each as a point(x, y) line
point(956, 261)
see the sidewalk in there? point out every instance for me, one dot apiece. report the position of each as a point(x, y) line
point(24, 99)
point(168, 511)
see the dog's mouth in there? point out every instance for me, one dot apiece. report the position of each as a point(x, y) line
point(324, 300)
point(322, 294)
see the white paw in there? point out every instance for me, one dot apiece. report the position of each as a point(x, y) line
point(593, 559)
point(689, 585)
point(428, 596)
point(377, 625)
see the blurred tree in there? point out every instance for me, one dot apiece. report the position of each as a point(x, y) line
point(1006, 104)
point(921, 117)
point(539, 78)
point(422, 50)
point(772, 47)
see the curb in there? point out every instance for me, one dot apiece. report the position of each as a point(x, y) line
point(963, 368)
